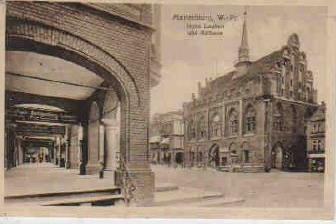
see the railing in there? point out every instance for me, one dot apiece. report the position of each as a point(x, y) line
point(127, 185)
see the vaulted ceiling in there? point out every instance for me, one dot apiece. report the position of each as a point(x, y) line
point(20, 64)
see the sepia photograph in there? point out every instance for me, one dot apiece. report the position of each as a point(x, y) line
point(196, 107)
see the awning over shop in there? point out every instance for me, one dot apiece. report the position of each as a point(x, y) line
point(155, 139)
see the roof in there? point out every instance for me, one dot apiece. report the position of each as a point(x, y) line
point(259, 67)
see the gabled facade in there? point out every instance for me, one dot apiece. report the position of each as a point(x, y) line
point(253, 118)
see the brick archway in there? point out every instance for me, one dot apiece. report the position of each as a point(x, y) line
point(24, 34)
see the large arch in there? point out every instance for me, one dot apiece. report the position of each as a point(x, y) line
point(23, 34)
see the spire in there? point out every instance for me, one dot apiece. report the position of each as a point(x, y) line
point(243, 54)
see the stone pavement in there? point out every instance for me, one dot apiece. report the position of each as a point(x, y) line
point(274, 189)
point(46, 177)
point(42, 183)
point(180, 185)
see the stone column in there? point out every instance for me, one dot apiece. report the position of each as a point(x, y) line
point(93, 166)
point(67, 148)
point(59, 151)
point(55, 153)
point(20, 152)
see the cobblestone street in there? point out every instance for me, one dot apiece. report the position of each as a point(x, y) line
point(274, 189)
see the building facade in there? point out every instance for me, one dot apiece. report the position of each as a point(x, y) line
point(253, 118)
point(316, 140)
point(104, 56)
point(167, 137)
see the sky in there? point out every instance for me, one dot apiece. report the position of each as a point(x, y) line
point(188, 59)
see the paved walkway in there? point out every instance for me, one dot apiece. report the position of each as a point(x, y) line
point(46, 177)
point(274, 189)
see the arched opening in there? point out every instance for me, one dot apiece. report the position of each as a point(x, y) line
point(215, 126)
point(233, 122)
point(250, 119)
point(246, 154)
point(38, 73)
point(213, 156)
point(179, 158)
point(277, 156)
point(278, 118)
point(202, 128)
point(81, 68)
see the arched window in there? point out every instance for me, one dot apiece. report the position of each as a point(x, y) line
point(191, 130)
point(278, 118)
point(233, 122)
point(202, 132)
point(250, 120)
point(245, 153)
point(215, 125)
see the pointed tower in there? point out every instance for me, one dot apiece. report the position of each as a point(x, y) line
point(243, 53)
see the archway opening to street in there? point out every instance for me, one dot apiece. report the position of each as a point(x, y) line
point(179, 158)
point(55, 101)
point(213, 156)
point(277, 157)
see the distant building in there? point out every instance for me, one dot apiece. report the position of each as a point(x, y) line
point(316, 140)
point(167, 136)
point(253, 118)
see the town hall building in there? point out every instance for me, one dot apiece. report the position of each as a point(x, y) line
point(253, 118)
